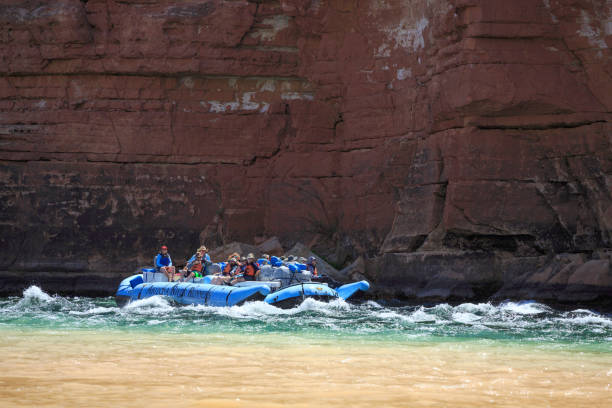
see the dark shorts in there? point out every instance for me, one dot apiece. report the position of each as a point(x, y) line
point(248, 278)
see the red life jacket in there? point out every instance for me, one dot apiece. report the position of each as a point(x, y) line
point(229, 270)
point(196, 267)
point(251, 269)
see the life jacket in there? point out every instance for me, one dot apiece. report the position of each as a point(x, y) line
point(251, 269)
point(312, 269)
point(229, 269)
point(164, 260)
point(196, 267)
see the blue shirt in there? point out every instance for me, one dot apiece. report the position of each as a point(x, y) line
point(206, 258)
point(161, 260)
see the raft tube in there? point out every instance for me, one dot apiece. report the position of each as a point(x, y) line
point(348, 290)
point(292, 296)
point(134, 288)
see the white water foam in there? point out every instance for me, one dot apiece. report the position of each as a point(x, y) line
point(151, 305)
point(263, 309)
point(465, 317)
point(245, 311)
point(484, 308)
point(528, 307)
point(373, 304)
point(95, 311)
point(36, 293)
point(421, 316)
point(587, 320)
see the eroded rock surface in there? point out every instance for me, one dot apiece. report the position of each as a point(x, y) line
point(454, 144)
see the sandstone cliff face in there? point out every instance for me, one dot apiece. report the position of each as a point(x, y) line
point(457, 145)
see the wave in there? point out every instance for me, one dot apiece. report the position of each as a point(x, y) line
point(100, 310)
point(36, 294)
point(526, 307)
point(151, 305)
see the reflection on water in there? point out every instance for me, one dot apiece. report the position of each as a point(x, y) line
point(86, 352)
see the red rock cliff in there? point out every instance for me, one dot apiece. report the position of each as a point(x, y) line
point(456, 145)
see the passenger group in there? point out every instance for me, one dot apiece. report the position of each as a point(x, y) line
point(236, 269)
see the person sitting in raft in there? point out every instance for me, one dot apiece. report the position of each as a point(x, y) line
point(202, 251)
point(231, 269)
point(193, 269)
point(311, 266)
point(163, 263)
point(250, 270)
point(264, 260)
point(205, 258)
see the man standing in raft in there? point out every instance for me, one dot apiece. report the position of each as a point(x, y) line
point(163, 263)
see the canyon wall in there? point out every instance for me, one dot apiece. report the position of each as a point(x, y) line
point(459, 149)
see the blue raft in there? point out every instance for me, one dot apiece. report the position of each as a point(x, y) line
point(203, 293)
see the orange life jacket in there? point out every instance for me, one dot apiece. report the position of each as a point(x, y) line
point(250, 269)
point(312, 269)
point(196, 266)
point(229, 269)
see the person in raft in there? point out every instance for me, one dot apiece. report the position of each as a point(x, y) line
point(230, 271)
point(205, 259)
point(311, 266)
point(163, 263)
point(204, 252)
point(250, 270)
point(193, 269)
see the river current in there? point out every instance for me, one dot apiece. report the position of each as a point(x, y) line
point(59, 351)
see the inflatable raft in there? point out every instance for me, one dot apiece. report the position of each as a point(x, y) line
point(281, 292)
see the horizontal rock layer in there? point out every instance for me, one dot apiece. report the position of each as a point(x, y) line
point(441, 141)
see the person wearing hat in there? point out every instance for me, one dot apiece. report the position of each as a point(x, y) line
point(204, 252)
point(205, 258)
point(231, 269)
point(163, 263)
point(311, 266)
point(250, 270)
point(194, 269)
